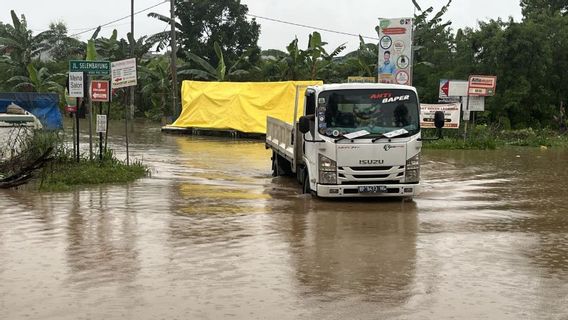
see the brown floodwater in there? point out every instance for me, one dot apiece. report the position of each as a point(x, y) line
point(212, 235)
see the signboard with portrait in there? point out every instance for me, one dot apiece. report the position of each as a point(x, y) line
point(395, 51)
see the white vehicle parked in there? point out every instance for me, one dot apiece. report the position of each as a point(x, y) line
point(353, 140)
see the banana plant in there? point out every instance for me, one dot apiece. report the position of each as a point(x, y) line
point(155, 75)
point(317, 58)
point(294, 63)
point(37, 81)
point(19, 43)
point(209, 72)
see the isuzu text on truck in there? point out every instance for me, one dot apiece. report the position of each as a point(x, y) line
point(353, 140)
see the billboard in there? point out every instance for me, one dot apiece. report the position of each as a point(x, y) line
point(451, 115)
point(482, 86)
point(395, 51)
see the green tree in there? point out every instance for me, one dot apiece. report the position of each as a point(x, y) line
point(37, 81)
point(535, 7)
point(317, 58)
point(155, 77)
point(204, 22)
point(19, 43)
point(208, 71)
point(294, 64)
point(62, 46)
point(433, 45)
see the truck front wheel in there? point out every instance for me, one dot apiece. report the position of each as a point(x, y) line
point(306, 183)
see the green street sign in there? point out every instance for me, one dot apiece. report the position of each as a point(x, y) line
point(98, 68)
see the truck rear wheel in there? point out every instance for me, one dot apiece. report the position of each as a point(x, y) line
point(280, 166)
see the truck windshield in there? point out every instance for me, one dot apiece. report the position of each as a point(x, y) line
point(377, 111)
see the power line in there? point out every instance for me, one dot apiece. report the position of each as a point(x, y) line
point(310, 27)
point(120, 19)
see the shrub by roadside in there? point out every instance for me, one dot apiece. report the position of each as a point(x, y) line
point(488, 138)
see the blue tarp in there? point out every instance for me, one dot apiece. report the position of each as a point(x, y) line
point(45, 106)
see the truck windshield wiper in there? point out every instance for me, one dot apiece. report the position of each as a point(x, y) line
point(392, 134)
point(353, 135)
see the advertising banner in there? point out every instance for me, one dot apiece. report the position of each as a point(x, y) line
point(123, 73)
point(395, 51)
point(482, 86)
point(451, 115)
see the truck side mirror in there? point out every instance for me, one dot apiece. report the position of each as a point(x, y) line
point(439, 119)
point(310, 102)
point(304, 124)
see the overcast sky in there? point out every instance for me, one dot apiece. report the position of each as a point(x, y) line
point(349, 16)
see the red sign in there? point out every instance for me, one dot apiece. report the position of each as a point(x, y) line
point(446, 88)
point(482, 85)
point(99, 91)
point(394, 31)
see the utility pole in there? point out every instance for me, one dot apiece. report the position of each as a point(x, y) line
point(173, 59)
point(131, 113)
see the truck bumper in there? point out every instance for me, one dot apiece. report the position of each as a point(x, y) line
point(353, 191)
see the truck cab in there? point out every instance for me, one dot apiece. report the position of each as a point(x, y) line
point(353, 140)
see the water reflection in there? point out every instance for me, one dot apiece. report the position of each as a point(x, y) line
point(102, 240)
point(342, 250)
point(222, 176)
point(212, 235)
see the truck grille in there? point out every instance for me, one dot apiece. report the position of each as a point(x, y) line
point(370, 175)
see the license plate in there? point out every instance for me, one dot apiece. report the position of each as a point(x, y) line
point(373, 189)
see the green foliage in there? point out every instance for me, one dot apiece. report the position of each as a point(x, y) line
point(66, 175)
point(37, 81)
point(218, 43)
point(155, 75)
point(491, 137)
point(20, 46)
point(63, 47)
point(209, 72)
point(204, 22)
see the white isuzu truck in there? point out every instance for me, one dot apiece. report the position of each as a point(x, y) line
point(353, 140)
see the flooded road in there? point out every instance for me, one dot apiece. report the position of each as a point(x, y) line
point(211, 235)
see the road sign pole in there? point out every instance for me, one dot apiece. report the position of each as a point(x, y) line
point(101, 135)
point(77, 126)
point(126, 133)
point(108, 112)
point(90, 104)
point(466, 122)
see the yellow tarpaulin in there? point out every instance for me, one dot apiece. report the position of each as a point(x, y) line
point(241, 106)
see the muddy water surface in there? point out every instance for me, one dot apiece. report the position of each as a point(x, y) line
point(211, 235)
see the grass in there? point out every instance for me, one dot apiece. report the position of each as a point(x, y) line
point(63, 172)
point(487, 138)
point(67, 175)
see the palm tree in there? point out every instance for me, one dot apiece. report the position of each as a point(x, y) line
point(37, 81)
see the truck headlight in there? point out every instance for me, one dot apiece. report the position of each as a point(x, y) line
point(327, 170)
point(412, 174)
